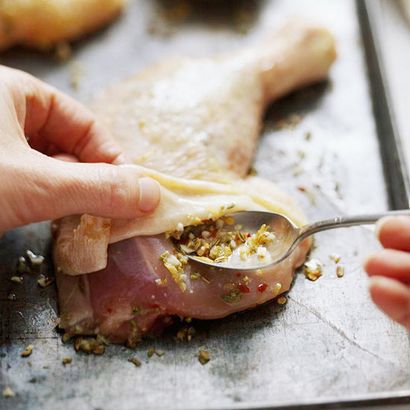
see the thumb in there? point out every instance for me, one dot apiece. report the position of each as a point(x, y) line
point(63, 188)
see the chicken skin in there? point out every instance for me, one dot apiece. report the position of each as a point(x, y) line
point(193, 125)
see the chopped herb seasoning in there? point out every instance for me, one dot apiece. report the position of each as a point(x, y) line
point(135, 361)
point(203, 356)
point(44, 281)
point(91, 345)
point(175, 265)
point(185, 334)
point(297, 170)
point(22, 266)
point(35, 260)
point(215, 241)
point(276, 289)
point(8, 393)
point(136, 310)
point(27, 352)
point(313, 269)
point(234, 296)
point(17, 279)
point(335, 258)
point(301, 154)
point(152, 350)
point(67, 360)
point(340, 271)
point(161, 282)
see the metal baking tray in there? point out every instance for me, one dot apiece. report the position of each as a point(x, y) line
point(328, 145)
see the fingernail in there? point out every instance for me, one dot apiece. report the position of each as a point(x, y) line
point(378, 227)
point(149, 194)
point(386, 220)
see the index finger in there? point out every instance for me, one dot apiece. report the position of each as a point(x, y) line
point(53, 119)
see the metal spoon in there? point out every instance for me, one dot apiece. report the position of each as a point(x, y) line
point(287, 234)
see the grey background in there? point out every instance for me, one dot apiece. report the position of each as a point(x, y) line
point(329, 342)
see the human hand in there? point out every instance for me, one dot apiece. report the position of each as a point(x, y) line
point(389, 269)
point(38, 123)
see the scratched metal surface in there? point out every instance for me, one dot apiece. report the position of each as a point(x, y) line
point(329, 342)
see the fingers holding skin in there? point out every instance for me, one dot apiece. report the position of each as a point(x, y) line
point(392, 297)
point(394, 232)
point(47, 188)
point(36, 187)
point(54, 120)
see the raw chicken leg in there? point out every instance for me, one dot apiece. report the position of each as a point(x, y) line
point(192, 125)
point(46, 23)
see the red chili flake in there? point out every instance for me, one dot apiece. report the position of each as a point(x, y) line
point(238, 274)
point(262, 287)
point(248, 235)
point(109, 310)
point(243, 288)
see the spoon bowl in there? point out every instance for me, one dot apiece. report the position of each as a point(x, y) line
point(287, 235)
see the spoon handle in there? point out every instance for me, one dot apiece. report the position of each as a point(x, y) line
point(346, 221)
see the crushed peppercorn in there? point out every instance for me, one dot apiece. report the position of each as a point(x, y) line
point(67, 360)
point(27, 351)
point(152, 350)
point(313, 269)
point(8, 393)
point(135, 361)
point(203, 356)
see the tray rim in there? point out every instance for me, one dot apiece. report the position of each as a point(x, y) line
point(390, 141)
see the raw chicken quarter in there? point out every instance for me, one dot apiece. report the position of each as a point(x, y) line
point(43, 24)
point(193, 125)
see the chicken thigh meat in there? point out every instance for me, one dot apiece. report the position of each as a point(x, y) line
point(191, 124)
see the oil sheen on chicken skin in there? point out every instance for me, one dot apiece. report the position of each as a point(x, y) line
point(197, 120)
